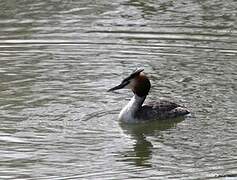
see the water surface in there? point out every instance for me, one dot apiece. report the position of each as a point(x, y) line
point(58, 58)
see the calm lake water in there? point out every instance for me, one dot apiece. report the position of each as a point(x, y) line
point(58, 58)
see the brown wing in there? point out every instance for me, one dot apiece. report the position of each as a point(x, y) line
point(157, 110)
point(162, 105)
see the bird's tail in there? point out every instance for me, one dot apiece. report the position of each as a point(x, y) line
point(179, 111)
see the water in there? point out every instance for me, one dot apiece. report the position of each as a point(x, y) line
point(58, 58)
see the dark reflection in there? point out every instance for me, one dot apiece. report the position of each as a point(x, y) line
point(149, 7)
point(142, 148)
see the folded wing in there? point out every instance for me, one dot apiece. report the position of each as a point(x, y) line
point(161, 110)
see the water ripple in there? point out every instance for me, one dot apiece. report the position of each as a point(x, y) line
point(59, 58)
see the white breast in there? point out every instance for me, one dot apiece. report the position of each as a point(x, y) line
point(127, 114)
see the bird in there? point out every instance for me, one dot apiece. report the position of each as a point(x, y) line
point(135, 111)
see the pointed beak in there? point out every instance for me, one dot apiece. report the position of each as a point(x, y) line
point(120, 86)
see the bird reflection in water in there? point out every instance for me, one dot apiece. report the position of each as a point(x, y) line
point(142, 151)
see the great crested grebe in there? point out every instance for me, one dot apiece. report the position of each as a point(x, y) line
point(134, 111)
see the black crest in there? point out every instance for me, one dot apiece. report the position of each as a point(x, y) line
point(134, 74)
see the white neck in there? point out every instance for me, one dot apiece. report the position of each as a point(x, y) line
point(128, 112)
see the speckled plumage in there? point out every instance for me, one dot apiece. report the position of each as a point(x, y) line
point(160, 110)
